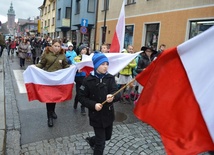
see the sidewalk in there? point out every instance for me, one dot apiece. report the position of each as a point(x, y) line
point(2, 107)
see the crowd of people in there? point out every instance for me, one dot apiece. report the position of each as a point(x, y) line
point(55, 54)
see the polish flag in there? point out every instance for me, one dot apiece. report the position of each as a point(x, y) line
point(117, 61)
point(118, 38)
point(178, 96)
point(49, 87)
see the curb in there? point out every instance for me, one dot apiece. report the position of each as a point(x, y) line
point(2, 107)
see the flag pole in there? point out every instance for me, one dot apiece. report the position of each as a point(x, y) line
point(120, 90)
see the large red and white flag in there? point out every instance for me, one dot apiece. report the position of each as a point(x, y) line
point(118, 38)
point(49, 86)
point(117, 61)
point(177, 99)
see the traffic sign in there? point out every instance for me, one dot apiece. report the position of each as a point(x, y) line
point(83, 30)
point(84, 22)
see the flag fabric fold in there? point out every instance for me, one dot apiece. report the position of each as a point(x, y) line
point(177, 99)
point(49, 87)
point(117, 61)
point(119, 34)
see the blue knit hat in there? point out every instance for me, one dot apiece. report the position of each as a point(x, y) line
point(99, 58)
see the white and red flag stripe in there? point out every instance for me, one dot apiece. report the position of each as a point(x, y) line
point(119, 34)
point(177, 99)
point(117, 61)
point(49, 86)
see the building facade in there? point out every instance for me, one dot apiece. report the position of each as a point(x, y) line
point(151, 23)
point(47, 18)
point(63, 19)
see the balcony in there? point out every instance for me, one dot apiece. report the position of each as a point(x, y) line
point(65, 22)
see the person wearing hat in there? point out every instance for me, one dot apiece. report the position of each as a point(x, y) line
point(70, 53)
point(145, 58)
point(97, 88)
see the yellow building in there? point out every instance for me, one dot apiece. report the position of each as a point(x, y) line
point(152, 22)
point(47, 18)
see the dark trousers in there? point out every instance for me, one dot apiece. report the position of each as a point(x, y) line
point(101, 135)
point(35, 60)
point(22, 62)
point(8, 50)
point(1, 51)
point(78, 80)
point(50, 107)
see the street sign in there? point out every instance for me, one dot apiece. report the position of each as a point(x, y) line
point(84, 22)
point(83, 30)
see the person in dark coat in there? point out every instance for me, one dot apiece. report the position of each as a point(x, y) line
point(53, 59)
point(2, 44)
point(97, 88)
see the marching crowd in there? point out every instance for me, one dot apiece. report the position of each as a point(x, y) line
point(55, 54)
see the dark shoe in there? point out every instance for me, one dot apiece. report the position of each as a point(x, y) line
point(83, 111)
point(88, 141)
point(75, 105)
point(50, 122)
point(54, 116)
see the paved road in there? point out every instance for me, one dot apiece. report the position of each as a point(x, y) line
point(28, 134)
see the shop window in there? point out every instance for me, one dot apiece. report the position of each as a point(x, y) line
point(129, 31)
point(199, 26)
point(152, 33)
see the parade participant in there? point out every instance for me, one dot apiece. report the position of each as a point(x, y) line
point(52, 60)
point(105, 48)
point(80, 75)
point(2, 44)
point(70, 53)
point(13, 46)
point(125, 77)
point(22, 51)
point(96, 88)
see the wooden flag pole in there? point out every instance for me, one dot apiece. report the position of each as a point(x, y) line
point(120, 90)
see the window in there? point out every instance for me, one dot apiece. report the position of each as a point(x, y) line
point(53, 6)
point(152, 33)
point(49, 8)
point(45, 10)
point(196, 27)
point(53, 21)
point(59, 14)
point(91, 5)
point(130, 2)
point(129, 31)
point(77, 6)
point(68, 12)
point(105, 4)
point(41, 12)
point(48, 22)
point(45, 23)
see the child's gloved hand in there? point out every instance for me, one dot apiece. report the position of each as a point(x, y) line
point(109, 98)
point(98, 106)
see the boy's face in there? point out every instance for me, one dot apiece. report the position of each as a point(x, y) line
point(130, 49)
point(103, 68)
point(104, 49)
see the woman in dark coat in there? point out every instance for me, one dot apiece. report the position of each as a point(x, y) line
point(53, 59)
point(96, 88)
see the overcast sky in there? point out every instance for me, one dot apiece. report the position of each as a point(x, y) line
point(23, 8)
